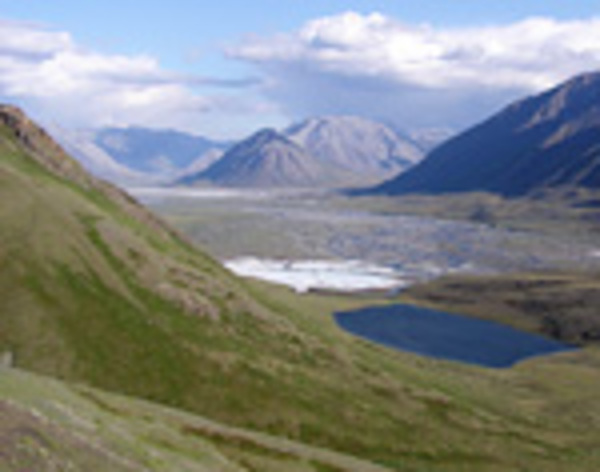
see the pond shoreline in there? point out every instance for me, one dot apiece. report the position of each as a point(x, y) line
point(448, 336)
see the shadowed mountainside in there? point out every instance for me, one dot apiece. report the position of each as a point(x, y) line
point(546, 141)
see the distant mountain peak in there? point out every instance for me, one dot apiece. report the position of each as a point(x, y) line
point(356, 144)
point(266, 137)
point(266, 159)
point(266, 134)
point(328, 151)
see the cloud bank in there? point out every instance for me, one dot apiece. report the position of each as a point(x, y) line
point(55, 78)
point(417, 75)
point(373, 65)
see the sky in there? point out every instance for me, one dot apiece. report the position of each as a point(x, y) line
point(225, 69)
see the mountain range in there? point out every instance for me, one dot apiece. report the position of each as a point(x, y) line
point(140, 156)
point(542, 142)
point(81, 145)
point(211, 372)
point(155, 151)
point(266, 159)
point(325, 151)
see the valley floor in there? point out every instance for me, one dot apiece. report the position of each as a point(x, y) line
point(421, 239)
point(290, 372)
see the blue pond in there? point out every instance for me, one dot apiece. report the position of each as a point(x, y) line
point(444, 335)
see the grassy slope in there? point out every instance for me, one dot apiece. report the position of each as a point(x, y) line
point(90, 294)
point(75, 428)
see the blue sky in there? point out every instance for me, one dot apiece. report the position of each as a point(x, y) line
point(229, 67)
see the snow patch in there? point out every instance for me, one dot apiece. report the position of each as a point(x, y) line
point(346, 276)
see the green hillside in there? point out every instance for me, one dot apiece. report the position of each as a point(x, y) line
point(97, 291)
point(79, 428)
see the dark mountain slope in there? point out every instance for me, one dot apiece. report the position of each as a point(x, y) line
point(545, 141)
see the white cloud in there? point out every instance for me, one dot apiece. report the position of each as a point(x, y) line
point(56, 79)
point(27, 39)
point(372, 65)
point(375, 65)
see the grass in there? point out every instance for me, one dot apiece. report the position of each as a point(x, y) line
point(93, 294)
point(73, 428)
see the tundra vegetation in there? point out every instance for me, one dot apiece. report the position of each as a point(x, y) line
point(228, 374)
